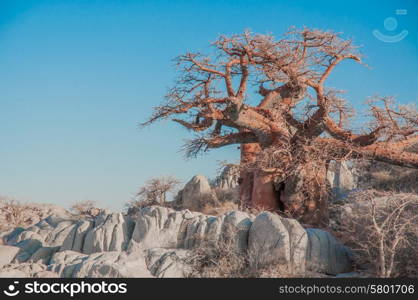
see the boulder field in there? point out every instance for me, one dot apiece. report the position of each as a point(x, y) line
point(156, 241)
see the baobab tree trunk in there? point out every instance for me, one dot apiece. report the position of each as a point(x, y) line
point(264, 194)
point(302, 194)
point(256, 186)
point(246, 180)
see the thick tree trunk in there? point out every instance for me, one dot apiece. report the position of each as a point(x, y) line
point(264, 194)
point(302, 195)
point(256, 187)
point(248, 155)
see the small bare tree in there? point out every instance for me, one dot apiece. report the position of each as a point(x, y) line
point(155, 191)
point(13, 211)
point(384, 232)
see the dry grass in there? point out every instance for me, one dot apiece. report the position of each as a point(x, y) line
point(216, 259)
point(219, 210)
point(227, 195)
point(223, 259)
point(220, 261)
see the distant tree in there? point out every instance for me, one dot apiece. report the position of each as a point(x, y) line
point(296, 126)
point(155, 190)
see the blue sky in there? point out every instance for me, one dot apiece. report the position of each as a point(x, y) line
point(77, 77)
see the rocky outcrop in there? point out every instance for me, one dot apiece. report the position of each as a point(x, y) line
point(156, 241)
point(325, 254)
point(112, 264)
point(167, 263)
point(197, 193)
point(111, 232)
point(340, 178)
point(228, 179)
point(273, 239)
point(160, 227)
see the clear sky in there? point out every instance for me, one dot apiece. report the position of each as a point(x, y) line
point(76, 78)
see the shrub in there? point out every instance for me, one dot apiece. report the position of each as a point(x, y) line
point(383, 232)
point(221, 258)
point(85, 208)
point(13, 212)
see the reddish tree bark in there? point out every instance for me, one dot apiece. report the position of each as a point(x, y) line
point(264, 196)
point(248, 155)
point(257, 188)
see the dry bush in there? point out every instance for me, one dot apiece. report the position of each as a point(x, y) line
point(220, 260)
point(227, 200)
point(223, 259)
point(217, 259)
point(383, 232)
point(13, 212)
point(220, 209)
point(85, 208)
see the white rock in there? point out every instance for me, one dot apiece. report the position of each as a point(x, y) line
point(326, 255)
point(197, 193)
point(7, 254)
point(228, 179)
point(157, 227)
point(114, 245)
point(236, 226)
point(64, 262)
point(58, 235)
point(269, 241)
point(99, 265)
point(167, 263)
point(111, 232)
point(28, 247)
point(43, 255)
point(340, 177)
point(75, 238)
point(298, 239)
point(160, 227)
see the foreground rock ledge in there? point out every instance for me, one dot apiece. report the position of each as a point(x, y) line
point(156, 241)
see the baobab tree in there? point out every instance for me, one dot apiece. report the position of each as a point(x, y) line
point(269, 97)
